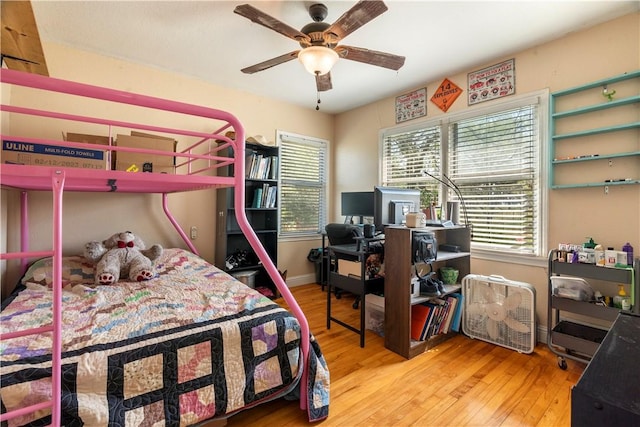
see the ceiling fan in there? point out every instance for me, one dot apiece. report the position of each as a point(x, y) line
point(319, 40)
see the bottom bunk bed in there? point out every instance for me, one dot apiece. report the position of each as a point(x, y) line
point(191, 344)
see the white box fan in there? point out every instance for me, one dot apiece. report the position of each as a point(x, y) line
point(500, 311)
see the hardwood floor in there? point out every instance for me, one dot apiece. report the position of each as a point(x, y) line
point(461, 382)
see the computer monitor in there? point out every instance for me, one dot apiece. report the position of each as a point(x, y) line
point(392, 205)
point(357, 204)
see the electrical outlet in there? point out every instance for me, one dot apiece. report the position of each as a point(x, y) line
point(194, 232)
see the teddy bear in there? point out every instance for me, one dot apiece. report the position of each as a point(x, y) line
point(121, 256)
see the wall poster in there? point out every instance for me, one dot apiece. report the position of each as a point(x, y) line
point(446, 94)
point(493, 82)
point(411, 105)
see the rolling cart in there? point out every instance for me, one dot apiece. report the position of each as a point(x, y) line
point(573, 339)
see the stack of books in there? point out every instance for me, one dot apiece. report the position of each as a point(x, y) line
point(259, 166)
point(436, 316)
point(265, 196)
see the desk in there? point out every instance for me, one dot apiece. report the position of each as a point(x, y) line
point(359, 286)
point(608, 392)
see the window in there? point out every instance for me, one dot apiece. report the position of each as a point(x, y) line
point(406, 157)
point(492, 156)
point(303, 185)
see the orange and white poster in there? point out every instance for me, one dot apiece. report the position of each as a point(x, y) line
point(446, 94)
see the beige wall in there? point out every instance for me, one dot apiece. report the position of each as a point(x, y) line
point(97, 216)
point(578, 58)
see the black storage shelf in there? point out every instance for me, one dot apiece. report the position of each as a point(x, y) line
point(577, 338)
point(584, 308)
point(591, 271)
point(230, 239)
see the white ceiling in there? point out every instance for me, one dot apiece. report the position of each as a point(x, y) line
point(206, 40)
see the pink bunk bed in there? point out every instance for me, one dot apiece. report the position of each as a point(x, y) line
point(190, 345)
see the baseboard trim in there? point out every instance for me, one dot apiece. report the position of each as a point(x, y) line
point(304, 279)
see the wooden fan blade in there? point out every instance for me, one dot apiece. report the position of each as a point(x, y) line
point(270, 22)
point(354, 18)
point(271, 62)
point(20, 40)
point(372, 57)
point(323, 82)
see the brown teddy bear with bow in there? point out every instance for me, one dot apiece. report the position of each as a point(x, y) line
point(122, 256)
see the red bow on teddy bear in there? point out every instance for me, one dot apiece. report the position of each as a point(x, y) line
point(122, 244)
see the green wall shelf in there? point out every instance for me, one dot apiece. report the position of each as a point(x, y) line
point(555, 138)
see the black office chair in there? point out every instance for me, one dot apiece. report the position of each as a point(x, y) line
point(343, 234)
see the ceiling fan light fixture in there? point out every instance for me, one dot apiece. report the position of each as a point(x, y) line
point(318, 60)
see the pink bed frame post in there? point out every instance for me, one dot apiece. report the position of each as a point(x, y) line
point(255, 243)
point(57, 182)
point(24, 230)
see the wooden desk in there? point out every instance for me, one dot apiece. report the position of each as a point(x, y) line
point(608, 392)
point(359, 286)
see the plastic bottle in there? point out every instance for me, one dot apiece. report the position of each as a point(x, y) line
point(600, 259)
point(629, 250)
point(618, 299)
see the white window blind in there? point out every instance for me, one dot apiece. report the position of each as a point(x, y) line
point(407, 155)
point(303, 185)
point(493, 160)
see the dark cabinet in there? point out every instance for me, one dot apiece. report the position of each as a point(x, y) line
point(233, 251)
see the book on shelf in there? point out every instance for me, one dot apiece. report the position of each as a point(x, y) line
point(436, 316)
point(453, 302)
point(259, 166)
point(419, 318)
point(257, 198)
point(457, 315)
point(273, 171)
point(265, 196)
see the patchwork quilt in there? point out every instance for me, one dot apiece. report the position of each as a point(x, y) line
point(189, 345)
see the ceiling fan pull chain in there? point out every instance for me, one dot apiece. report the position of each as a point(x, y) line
point(317, 96)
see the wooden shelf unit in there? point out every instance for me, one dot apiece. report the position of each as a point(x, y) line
point(397, 284)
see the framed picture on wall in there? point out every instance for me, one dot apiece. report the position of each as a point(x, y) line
point(493, 82)
point(411, 105)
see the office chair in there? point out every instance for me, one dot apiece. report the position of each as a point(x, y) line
point(343, 234)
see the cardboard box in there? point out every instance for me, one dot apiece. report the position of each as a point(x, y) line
point(86, 138)
point(91, 139)
point(349, 268)
point(26, 153)
point(140, 162)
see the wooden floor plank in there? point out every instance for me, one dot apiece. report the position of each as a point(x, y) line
point(461, 382)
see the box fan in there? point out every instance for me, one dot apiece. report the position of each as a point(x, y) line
point(499, 311)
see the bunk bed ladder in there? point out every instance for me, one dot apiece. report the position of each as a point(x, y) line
point(57, 184)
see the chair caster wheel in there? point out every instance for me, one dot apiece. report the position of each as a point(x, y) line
point(562, 363)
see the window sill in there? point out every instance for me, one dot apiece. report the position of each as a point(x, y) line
point(529, 260)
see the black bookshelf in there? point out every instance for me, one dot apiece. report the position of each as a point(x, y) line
point(233, 251)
